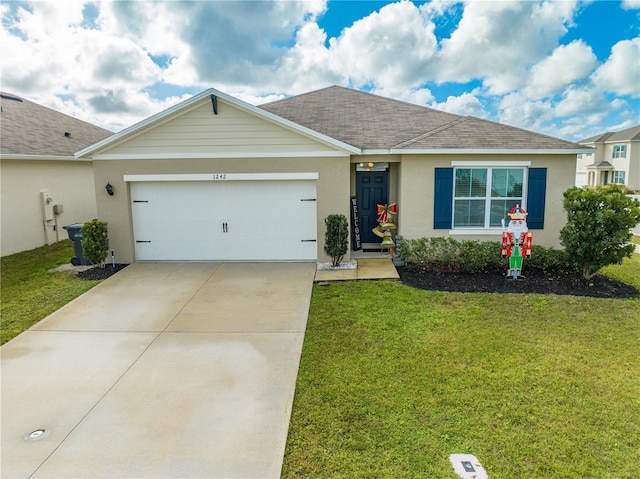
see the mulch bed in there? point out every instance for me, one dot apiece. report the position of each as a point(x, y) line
point(97, 272)
point(420, 276)
point(599, 286)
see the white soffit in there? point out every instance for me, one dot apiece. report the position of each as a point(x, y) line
point(477, 151)
point(194, 156)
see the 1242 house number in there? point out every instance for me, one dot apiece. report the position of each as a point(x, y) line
point(219, 176)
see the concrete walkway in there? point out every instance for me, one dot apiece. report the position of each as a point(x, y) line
point(367, 268)
point(164, 370)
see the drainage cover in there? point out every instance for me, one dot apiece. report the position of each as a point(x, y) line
point(37, 434)
point(467, 466)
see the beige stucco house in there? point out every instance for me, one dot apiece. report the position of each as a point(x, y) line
point(43, 186)
point(615, 159)
point(214, 178)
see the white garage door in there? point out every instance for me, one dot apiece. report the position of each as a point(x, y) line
point(224, 220)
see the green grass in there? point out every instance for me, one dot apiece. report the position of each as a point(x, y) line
point(29, 292)
point(394, 379)
point(635, 239)
point(629, 271)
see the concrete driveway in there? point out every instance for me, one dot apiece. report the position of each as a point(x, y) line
point(164, 370)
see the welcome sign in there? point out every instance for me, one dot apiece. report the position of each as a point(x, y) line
point(355, 225)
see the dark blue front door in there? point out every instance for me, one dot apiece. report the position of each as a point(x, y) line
point(371, 190)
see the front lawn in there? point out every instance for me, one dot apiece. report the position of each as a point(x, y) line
point(394, 379)
point(30, 291)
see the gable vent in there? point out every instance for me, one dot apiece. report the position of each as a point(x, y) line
point(10, 97)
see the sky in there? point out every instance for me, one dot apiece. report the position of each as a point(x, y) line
point(565, 68)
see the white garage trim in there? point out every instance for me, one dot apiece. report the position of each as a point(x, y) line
point(197, 220)
point(224, 177)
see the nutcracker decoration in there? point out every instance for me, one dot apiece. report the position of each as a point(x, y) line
point(385, 225)
point(516, 241)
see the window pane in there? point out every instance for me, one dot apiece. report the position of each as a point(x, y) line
point(468, 213)
point(478, 183)
point(620, 151)
point(499, 210)
point(506, 182)
point(463, 183)
point(618, 177)
point(470, 182)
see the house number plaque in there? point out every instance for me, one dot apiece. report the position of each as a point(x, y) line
point(219, 176)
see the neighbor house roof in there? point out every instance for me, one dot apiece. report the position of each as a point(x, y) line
point(29, 129)
point(630, 134)
point(371, 122)
point(601, 165)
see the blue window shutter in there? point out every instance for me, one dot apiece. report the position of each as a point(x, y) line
point(536, 193)
point(443, 199)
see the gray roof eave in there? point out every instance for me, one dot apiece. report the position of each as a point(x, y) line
point(479, 151)
point(10, 156)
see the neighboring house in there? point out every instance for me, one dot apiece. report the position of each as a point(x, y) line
point(214, 178)
point(43, 186)
point(616, 159)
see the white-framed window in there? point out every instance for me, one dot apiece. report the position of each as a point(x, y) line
point(484, 196)
point(619, 151)
point(618, 177)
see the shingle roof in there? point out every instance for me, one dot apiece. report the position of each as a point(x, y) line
point(371, 122)
point(27, 128)
point(630, 134)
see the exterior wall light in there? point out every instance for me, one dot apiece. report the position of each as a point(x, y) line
point(109, 189)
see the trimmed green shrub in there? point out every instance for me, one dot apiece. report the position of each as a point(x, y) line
point(448, 254)
point(481, 255)
point(598, 228)
point(336, 238)
point(548, 260)
point(95, 241)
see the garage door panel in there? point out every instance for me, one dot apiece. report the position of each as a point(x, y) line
point(235, 220)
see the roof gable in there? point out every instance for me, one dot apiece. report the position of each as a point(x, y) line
point(31, 129)
point(213, 124)
point(371, 122)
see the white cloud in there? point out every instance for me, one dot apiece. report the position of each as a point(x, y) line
point(515, 109)
point(566, 65)
point(100, 75)
point(419, 96)
point(580, 100)
point(630, 4)
point(620, 74)
point(465, 104)
point(243, 42)
point(498, 41)
point(112, 63)
point(390, 47)
point(308, 65)
point(104, 67)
